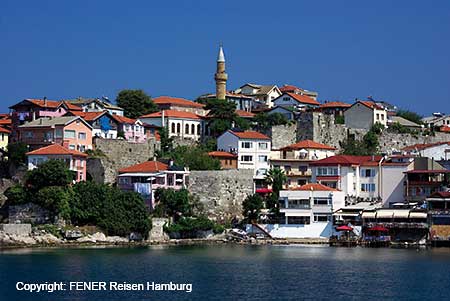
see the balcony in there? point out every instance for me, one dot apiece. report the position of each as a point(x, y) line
point(298, 173)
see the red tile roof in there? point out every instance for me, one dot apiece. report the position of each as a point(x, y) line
point(348, 160)
point(440, 194)
point(146, 167)
point(45, 103)
point(56, 149)
point(173, 114)
point(221, 154)
point(369, 104)
point(314, 187)
point(307, 144)
point(244, 114)
point(423, 146)
point(289, 88)
point(303, 99)
point(177, 101)
point(88, 116)
point(445, 128)
point(335, 104)
point(5, 122)
point(5, 131)
point(250, 135)
point(72, 107)
point(123, 119)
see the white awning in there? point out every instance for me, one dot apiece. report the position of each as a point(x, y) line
point(401, 213)
point(368, 214)
point(385, 213)
point(416, 214)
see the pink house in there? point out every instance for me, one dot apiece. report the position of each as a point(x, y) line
point(145, 177)
point(73, 132)
point(75, 160)
point(32, 109)
point(132, 129)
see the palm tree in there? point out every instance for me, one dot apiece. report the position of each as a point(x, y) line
point(276, 178)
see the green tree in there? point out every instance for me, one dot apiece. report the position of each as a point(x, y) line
point(222, 116)
point(16, 153)
point(135, 103)
point(166, 142)
point(251, 207)
point(194, 157)
point(56, 199)
point(173, 203)
point(50, 173)
point(411, 116)
point(17, 194)
point(265, 121)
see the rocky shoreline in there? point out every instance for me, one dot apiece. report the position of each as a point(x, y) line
point(8, 241)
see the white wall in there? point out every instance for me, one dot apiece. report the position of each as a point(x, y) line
point(436, 152)
point(313, 230)
point(285, 101)
point(392, 190)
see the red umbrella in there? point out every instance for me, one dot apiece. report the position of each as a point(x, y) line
point(378, 228)
point(344, 228)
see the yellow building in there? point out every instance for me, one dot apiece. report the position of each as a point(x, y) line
point(4, 135)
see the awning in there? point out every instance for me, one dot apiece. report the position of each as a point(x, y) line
point(401, 213)
point(378, 228)
point(385, 213)
point(344, 228)
point(417, 214)
point(368, 214)
point(263, 190)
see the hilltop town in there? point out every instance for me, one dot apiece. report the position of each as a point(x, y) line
point(275, 161)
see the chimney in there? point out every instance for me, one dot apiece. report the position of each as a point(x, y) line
point(162, 118)
point(170, 162)
point(45, 101)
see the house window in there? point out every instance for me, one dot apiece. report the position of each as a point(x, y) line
point(28, 134)
point(178, 128)
point(367, 172)
point(303, 168)
point(262, 159)
point(378, 116)
point(322, 201)
point(368, 187)
point(246, 144)
point(198, 129)
point(193, 129)
point(186, 129)
point(318, 218)
point(69, 134)
point(262, 145)
point(72, 146)
point(302, 220)
point(327, 171)
point(3, 137)
point(247, 158)
point(286, 98)
point(382, 116)
point(287, 168)
point(58, 133)
point(82, 136)
point(173, 127)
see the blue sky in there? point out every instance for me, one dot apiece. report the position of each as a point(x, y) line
point(393, 50)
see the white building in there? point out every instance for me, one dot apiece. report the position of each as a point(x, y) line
point(297, 101)
point(357, 176)
point(294, 159)
point(97, 105)
point(307, 212)
point(364, 114)
point(436, 151)
point(185, 125)
point(252, 148)
point(263, 93)
point(393, 178)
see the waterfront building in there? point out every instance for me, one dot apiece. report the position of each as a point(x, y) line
point(306, 212)
point(438, 205)
point(294, 160)
point(421, 183)
point(180, 104)
point(295, 101)
point(364, 114)
point(180, 124)
point(395, 225)
point(146, 177)
point(72, 132)
point(75, 160)
point(227, 160)
point(357, 176)
point(252, 150)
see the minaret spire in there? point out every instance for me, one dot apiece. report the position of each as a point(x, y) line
point(220, 76)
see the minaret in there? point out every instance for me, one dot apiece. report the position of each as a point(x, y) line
point(220, 76)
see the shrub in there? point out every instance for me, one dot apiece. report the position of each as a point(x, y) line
point(50, 173)
point(187, 227)
point(16, 153)
point(55, 199)
point(17, 195)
